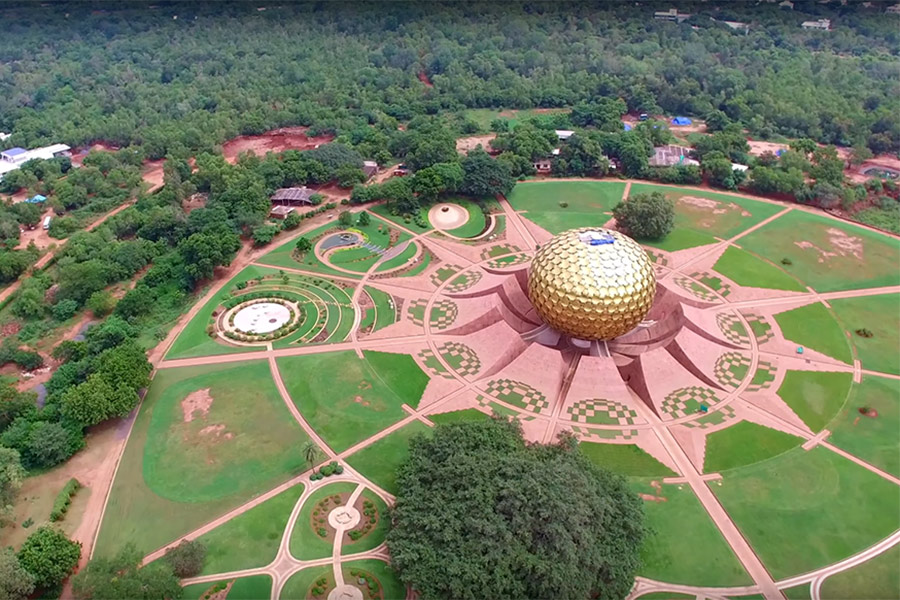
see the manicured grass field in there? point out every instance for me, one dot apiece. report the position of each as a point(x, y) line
point(401, 259)
point(476, 223)
point(377, 534)
point(172, 478)
point(251, 539)
point(465, 415)
point(747, 270)
point(875, 579)
point(379, 461)
point(875, 440)
point(681, 238)
point(814, 327)
point(719, 215)
point(383, 314)
point(833, 506)
point(254, 587)
point(348, 399)
point(306, 544)
point(684, 545)
point(297, 586)
point(815, 396)
point(881, 316)
point(193, 340)
point(393, 589)
point(800, 592)
point(382, 211)
point(283, 255)
point(744, 444)
point(827, 254)
point(590, 202)
point(626, 459)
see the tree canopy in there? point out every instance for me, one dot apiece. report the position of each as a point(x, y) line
point(123, 577)
point(481, 514)
point(646, 216)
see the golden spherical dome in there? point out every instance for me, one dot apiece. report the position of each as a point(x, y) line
point(592, 283)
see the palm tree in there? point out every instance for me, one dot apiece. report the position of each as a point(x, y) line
point(311, 453)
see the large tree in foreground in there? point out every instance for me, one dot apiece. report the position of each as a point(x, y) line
point(646, 216)
point(123, 577)
point(480, 514)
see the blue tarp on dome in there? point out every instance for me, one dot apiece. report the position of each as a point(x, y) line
point(627, 126)
point(681, 121)
point(36, 199)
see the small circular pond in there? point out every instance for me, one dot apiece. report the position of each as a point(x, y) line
point(263, 317)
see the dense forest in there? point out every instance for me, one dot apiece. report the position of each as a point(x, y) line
point(179, 77)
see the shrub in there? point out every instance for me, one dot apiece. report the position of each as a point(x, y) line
point(564, 205)
point(241, 285)
point(64, 499)
point(27, 523)
point(786, 261)
point(322, 532)
point(646, 216)
point(65, 309)
point(186, 558)
point(863, 332)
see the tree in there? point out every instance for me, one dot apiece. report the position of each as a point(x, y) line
point(303, 245)
point(49, 556)
point(15, 582)
point(311, 454)
point(11, 476)
point(293, 220)
point(364, 219)
point(478, 485)
point(203, 252)
point(348, 175)
point(646, 216)
point(101, 303)
point(484, 176)
point(345, 219)
point(264, 234)
point(186, 558)
point(123, 577)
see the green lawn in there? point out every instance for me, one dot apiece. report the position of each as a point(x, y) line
point(744, 444)
point(681, 238)
point(393, 588)
point(382, 211)
point(881, 316)
point(383, 312)
point(401, 259)
point(250, 539)
point(193, 340)
point(626, 459)
point(828, 254)
point(684, 545)
point(800, 592)
point(476, 223)
point(349, 400)
point(379, 461)
point(465, 415)
point(814, 327)
point(589, 202)
point(875, 579)
point(255, 587)
point(875, 440)
point(829, 505)
point(815, 396)
point(173, 478)
point(484, 116)
point(719, 215)
point(306, 544)
point(283, 255)
point(747, 270)
point(298, 585)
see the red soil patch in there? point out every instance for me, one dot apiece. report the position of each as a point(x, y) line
point(423, 77)
point(194, 402)
point(277, 140)
point(657, 486)
point(465, 144)
point(757, 148)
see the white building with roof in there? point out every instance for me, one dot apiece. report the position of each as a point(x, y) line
point(893, 10)
point(13, 158)
point(564, 134)
point(821, 24)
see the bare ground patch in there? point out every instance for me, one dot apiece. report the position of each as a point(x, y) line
point(842, 244)
point(200, 401)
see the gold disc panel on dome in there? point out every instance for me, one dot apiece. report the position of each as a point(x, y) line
point(592, 283)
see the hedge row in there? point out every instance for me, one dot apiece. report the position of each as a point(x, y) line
point(64, 499)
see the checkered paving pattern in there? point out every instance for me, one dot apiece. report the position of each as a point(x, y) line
point(657, 258)
point(518, 394)
point(499, 250)
point(509, 261)
point(602, 412)
point(598, 435)
point(712, 419)
point(415, 312)
point(695, 289)
point(732, 328)
point(461, 358)
point(712, 281)
point(444, 273)
point(443, 314)
point(687, 401)
point(432, 365)
point(761, 328)
point(764, 377)
point(732, 368)
point(464, 281)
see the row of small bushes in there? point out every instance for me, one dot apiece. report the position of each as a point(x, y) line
point(262, 295)
point(332, 468)
point(64, 499)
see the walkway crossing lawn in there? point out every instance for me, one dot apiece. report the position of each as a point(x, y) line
point(382, 211)
point(401, 259)
point(814, 327)
point(815, 396)
point(252, 538)
point(881, 316)
point(465, 415)
point(744, 444)
point(827, 254)
point(875, 579)
point(378, 462)
point(254, 587)
point(873, 439)
point(589, 202)
point(297, 587)
point(306, 544)
point(747, 270)
point(383, 313)
point(358, 258)
point(376, 536)
point(347, 400)
point(683, 545)
point(626, 459)
point(834, 506)
point(177, 474)
point(283, 255)
point(666, 596)
point(476, 222)
point(720, 215)
point(193, 339)
point(393, 588)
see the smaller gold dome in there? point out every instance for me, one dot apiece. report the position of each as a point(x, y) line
point(592, 283)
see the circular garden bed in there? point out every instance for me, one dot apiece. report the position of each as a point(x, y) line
point(261, 316)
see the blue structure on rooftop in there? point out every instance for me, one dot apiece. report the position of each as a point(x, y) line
point(681, 121)
point(15, 151)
